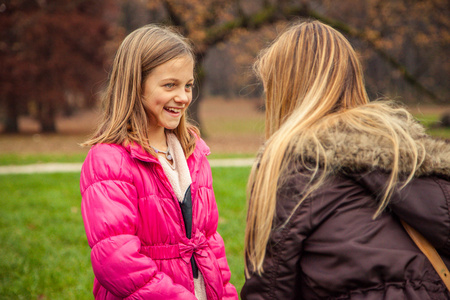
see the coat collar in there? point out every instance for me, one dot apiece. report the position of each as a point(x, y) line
point(352, 151)
point(136, 151)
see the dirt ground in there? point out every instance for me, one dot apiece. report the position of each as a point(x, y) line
point(230, 126)
point(74, 130)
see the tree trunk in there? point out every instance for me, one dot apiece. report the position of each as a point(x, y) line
point(194, 108)
point(12, 117)
point(47, 117)
point(445, 120)
point(48, 126)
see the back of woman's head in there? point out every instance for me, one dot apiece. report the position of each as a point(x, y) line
point(143, 50)
point(314, 83)
point(311, 68)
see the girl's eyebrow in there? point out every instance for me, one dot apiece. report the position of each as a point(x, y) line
point(175, 79)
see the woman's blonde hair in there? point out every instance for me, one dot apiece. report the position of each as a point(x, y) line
point(124, 120)
point(313, 81)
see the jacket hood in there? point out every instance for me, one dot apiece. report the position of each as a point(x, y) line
point(352, 151)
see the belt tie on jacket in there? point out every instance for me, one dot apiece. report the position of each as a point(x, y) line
point(197, 246)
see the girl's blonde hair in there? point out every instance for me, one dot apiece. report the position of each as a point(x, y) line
point(313, 81)
point(124, 120)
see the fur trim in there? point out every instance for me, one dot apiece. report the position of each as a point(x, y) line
point(351, 151)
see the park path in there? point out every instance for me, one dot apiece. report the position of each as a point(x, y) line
point(76, 167)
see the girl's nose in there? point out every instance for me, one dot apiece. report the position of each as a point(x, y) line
point(183, 97)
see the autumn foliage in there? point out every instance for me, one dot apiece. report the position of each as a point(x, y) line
point(52, 57)
point(54, 53)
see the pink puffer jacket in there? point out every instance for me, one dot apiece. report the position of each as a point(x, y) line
point(135, 227)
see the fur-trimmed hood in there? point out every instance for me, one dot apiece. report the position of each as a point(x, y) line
point(349, 150)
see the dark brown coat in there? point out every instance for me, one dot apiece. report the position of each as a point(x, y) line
point(332, 248)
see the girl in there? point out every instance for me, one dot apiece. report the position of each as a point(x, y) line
point(147, 200)
point(336, 175)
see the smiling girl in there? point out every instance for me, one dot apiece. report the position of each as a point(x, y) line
point(147, 199)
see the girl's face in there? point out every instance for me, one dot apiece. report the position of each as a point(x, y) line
point(168, 92)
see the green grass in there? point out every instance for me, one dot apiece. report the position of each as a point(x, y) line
point(43, 251)
point(440, 132)
point(230, 155)
point(230, 190)
point(25, 159)
point(429, 120)
point(43, 248)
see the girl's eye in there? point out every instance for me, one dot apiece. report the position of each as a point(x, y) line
point(169, 85)
point(189, 86)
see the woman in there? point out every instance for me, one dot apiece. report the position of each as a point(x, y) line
point(148, 204)
point(336, 176)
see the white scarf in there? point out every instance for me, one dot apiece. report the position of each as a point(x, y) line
point(177, 172)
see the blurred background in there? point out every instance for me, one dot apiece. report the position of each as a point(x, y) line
point(55, 56)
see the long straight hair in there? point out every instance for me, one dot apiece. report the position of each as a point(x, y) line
point(313, 81)
point(124, 118)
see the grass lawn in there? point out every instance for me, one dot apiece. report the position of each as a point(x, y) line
point(25, 159)
point(43, 248)
point(428, 120)
point(7, 159)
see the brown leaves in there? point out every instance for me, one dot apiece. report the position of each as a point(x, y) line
point(51, 49)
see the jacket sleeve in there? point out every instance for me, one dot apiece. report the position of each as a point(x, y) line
point(424, 203)
point(110, 215)
point(280, 279)
point(217, 246)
